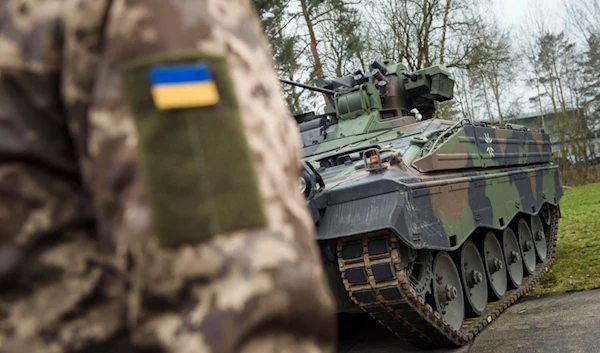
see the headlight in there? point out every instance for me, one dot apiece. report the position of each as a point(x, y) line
point(302, 185)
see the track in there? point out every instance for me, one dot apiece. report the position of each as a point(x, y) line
point(378, 284)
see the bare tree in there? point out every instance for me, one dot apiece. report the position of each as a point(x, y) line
point(583, 18)
point(559, 73)
point(424, 32)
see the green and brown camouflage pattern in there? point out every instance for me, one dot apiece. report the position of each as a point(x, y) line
point(441, 180)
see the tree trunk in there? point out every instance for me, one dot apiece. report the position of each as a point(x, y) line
point(313, 43)
point(496, 89)
point(313, 39)
point(444, 30)
point(420, 35)
point(486, 100)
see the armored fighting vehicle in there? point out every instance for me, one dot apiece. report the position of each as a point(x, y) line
point(433, 227)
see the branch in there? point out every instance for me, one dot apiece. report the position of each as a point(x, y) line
point(294, 17)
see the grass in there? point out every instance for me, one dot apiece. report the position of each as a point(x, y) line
point(577, 265)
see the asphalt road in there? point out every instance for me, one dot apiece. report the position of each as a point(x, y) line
point(566, 323)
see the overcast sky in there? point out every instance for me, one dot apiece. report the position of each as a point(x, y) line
point(513, 13)
point(516, 15)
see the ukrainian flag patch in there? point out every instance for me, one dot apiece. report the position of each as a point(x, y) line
point(183, 86)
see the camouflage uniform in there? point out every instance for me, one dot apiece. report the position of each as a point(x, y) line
point(81, 266)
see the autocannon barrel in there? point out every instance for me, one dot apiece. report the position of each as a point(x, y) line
point(313, 88)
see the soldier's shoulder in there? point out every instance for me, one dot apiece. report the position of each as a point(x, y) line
point(28, 31)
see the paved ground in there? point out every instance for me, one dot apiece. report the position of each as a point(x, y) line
point(567, 323)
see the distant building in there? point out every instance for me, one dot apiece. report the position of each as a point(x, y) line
point(549, 122)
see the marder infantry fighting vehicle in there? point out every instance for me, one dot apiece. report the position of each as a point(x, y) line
point(433, 227)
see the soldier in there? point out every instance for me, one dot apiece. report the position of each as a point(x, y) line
point(148, 184)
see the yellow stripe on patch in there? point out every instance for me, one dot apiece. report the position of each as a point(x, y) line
point(185, 95)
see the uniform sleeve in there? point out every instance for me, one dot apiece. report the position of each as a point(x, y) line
point(40, 185)
point(58, 291)
point(194, 161)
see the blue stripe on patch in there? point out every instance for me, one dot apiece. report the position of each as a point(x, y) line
point(180, 74)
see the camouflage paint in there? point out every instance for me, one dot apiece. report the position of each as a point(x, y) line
point(448, 179)
point(441, 211)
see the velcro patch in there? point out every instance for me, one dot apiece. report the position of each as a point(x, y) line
point(197, 169)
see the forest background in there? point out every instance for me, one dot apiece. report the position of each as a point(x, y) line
point(509, 58)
